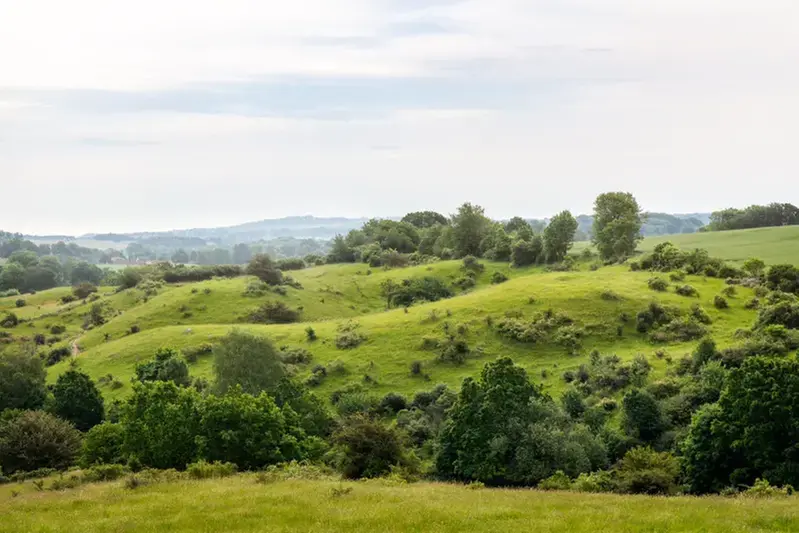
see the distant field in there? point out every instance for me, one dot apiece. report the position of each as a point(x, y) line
point(239, 504)
point(772, 245)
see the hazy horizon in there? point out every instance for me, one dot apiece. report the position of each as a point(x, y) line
point(123, 117)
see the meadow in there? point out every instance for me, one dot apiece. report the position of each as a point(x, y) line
point(240, 504)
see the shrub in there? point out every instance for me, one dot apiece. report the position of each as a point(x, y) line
point(763, 489)
point(102, 445)
point(657, 284)
point(610, 296)
point(426, 289)
point(20, 303)
point(782, 313)
point(416, 368)
point(349, 337)
point(215, 470)
point(645, 471)
point(57, 354)
point(34, 439)
point(10, 320)
point(699, 313)
point(262, 267)
point(57, 329)
point(557, 481)
point(296, 356)
point(465, 283)
point(470, 263)
point(247, 360)
point(365, 448)
point(754, 303)
point(392, 403)
point(498, 277)
point(290, 264)
point(167, 365)
point(68, 298)
point(719, 302)
point(729, 291)
point(192, 354)
point(679, 329)
point(601, 481)
point(77, 400)
point(310, 333)
point(84, 290)
point(677, 276)
point(256, 289)
point(686, 290)
point(274, 313)
point(105, 472)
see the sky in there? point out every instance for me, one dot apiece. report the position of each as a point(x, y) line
point(153, 115)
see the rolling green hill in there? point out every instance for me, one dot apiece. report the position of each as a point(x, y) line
point(396, 338)
point(772, 245)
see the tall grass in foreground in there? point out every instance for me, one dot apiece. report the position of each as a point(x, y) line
point(243, 504)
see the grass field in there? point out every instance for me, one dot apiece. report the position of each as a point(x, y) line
point(239, 504)
point(394, 338)
point(772, 245)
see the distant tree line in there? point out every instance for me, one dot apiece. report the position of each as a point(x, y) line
point(754, 216)
point(26, 271)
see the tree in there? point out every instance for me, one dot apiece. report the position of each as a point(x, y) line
point(341, 251)
point(469, 228)
point(167, 365)
point(77, 400)
point(250, 431)
point(617, 225)
point(754, 267)
point(161, 424)
point(129, 278)
point(516, 225)
point(489, 414)
point(84, 290)
point(425, 219)
point(497, 244)
point(22, 381)
point(241, 254)
point(247, 360)
point(366, 448)
point(30, 440)
point(559, 236)
point(85, 272)
point(102, 445)
point(24, 258)
point(525, 253)
point(312, 413)
point(12, 276)
point(262, 267)
point(641, 416)
point(645, 471)
point(38, 278)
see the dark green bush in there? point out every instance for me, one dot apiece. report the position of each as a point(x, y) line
point(498, 277)
point(657, 284)
point(274, 313)
point(30, 440)
point(686, 290)
point(719, 302)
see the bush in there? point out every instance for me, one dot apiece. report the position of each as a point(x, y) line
point(557, 481)
point(365, 448)
point(262, 267)
point(34, 439)
point(610, 296)
point(167, 365)
point(686, 290)
point(465, 283)
point(498, 277)
point(10, 320)
point(601, 481)
point(215, 470)
point(729, 291)
point(349, 337)
point(426, 289)
point(310, 333)
point(57, 329)
point(102, 445)
point(290, 264)
point(105, 472)
point(699, 313)
point(77, 400)
point(57, 354)
point(256, 289)
point(296, 356)
point(657, 284)
point(763, 489)
point(274, 313)
point(680, 329)
point(247, 360)
point(20, 303)
point(134, 329)
point(782, 313)
point(677, 276)
point(68, 298)
point(719, 302)
point(192, 354)
point(84, 290)
point(645, 471)
point(470, 263)
point(392, 403)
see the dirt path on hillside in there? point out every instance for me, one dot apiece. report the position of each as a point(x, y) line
point(75, 348)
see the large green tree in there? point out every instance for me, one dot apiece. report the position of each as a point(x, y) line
point(425, 219)
point(617, 225)
point(22, 380)
point(30, 440)
point(559, 236)
point(76, 399)
point(248, 361)
point(469, 228)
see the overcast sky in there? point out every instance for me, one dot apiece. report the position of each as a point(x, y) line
point(146, 115)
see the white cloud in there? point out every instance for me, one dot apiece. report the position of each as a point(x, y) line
point(525, 106)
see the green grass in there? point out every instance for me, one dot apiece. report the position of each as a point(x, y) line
point(772, 245)
point(238, 504)
point(394, 337)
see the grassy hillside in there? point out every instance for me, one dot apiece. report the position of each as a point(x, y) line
point(239, 504)
point(394, 339)
point(772, 245)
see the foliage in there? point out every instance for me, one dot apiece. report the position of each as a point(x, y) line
point(754, 216)
point(167, 365)
point(686, 290)
point(559, 236)
point(22, 381)
point(262, 267)
point(349, 337)
point(784, 278)
point(425, 219)
point(617, 225)
point(206, 470)
point(720, 302)
point(527, 252)
point(160, 424)
point(642, 417)
point(366, 448)
point(102, 445)
point(77, 400)
point(469, 228)
point(498, 277)
point(34, 439)
point(274, 313)
point(249, 431)
point(657, 284)
point(557, 481)
point(84, 290)
point(427, 288)
point(645, 471)
point(247, 360)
